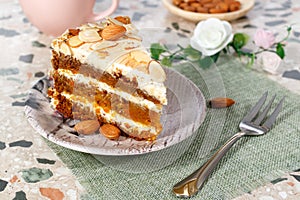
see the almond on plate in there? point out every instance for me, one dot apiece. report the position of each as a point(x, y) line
point(110, 131)
point(87, 127)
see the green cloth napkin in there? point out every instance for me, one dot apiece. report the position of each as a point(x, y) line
point(252, 162)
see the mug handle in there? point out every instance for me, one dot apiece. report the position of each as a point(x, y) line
point(109, 11)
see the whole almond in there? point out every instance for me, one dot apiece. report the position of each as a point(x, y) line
point(176, 2)
point(110, 131)
point(206, 1)
point(87, 127)
point(209, 5)
point(221, 102)
point(222, 6)
point(234, 6)
point(202, 10)
point(123, 19)
point(73, 32)
point(216, 11)
point(113, 32)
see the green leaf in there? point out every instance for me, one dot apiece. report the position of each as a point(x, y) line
point(239, 40)
point(192, 53)
point(206, 62)
point(166, 61)
point(280, 51)
point(215, 57)
point(156, 49)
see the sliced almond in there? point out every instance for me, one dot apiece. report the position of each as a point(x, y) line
point(103, 45)
point(156, 72)
point(65, 49)
point(89, 35)
point(113, 21)
point(131, 47)
point(102, 54)
point(110, 131)
point(96, 25)
point(92, 25)
point(113, 32)
point(140, 56)
point(221, 102)
point(87, 127)
point(123, 59)
point(131, 29)
point(132, 63)
point(84, 27)
point(142, 68)
point(75, 42)
point(134, 37)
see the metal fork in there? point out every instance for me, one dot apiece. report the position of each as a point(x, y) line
point(253, 124)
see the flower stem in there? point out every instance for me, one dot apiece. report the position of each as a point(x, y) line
point(287, 36)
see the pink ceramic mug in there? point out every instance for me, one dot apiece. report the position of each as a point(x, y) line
point(53, 17)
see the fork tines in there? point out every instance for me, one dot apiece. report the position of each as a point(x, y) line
point(256, 108)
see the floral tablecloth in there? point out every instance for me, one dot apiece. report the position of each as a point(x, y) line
point(31, 170)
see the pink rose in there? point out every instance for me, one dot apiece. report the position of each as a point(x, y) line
point(264, 39)
point(269, 61)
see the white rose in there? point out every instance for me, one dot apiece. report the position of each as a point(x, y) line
point(211, 36)
point(269, 61)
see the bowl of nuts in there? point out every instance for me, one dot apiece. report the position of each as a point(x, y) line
point(197, 10)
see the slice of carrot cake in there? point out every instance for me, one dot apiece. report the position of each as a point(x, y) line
point(101, 70)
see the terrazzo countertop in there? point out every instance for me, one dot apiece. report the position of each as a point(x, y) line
point(30, 169)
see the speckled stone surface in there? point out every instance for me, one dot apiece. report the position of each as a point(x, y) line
point(30, 170)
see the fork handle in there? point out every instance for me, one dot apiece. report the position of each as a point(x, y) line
point(201, 174)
